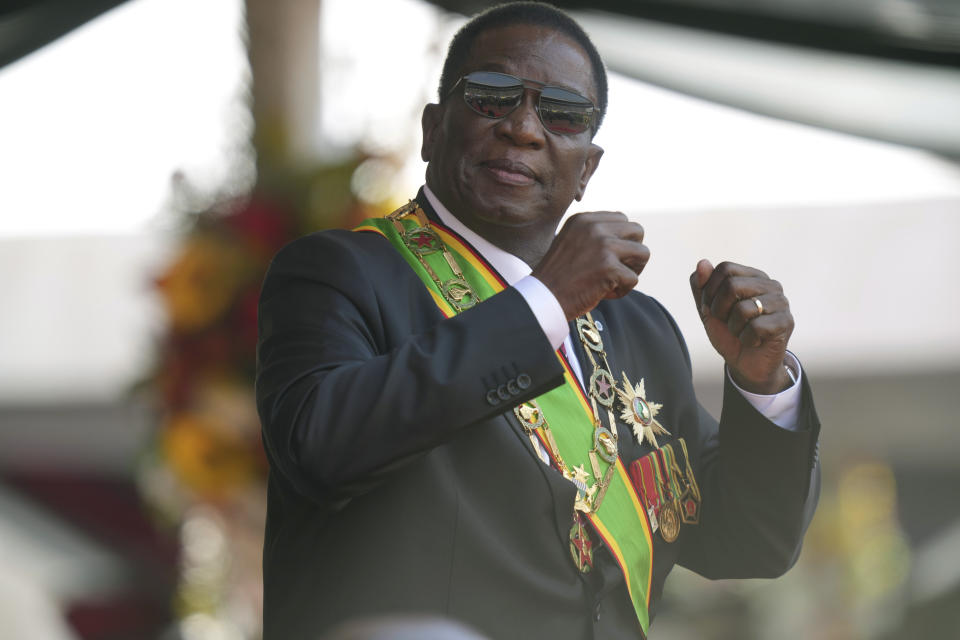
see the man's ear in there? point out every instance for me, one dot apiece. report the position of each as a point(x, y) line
point(589, 166)
point(430, 122)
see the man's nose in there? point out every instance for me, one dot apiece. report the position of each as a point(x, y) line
point(522, 125)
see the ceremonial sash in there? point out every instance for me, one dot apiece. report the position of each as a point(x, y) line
point(621, 521)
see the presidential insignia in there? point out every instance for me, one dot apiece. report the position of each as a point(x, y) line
point(459, 293)
point(585, 494)
point(640, 413)
point(602, 387)
point(422, 241)
point(605, 444)
point(580, 475)
point(589, 335)
point(529, 415)
point(581, 547)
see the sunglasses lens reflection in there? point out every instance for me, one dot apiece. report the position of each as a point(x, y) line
point(491, 101)
point(564, 111)
point(495, 95)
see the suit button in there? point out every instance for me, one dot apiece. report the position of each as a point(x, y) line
point(512, 387)
point(503, 393)
point(492, 397)
point(523, 381)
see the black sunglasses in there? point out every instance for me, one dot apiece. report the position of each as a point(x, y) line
point(495, 95)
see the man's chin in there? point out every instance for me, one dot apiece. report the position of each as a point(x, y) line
point(512, 216)
point(509, 210)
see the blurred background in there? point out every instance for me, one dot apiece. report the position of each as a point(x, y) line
point(154, 154)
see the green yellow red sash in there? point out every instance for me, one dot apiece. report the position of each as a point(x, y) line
point(621, 521)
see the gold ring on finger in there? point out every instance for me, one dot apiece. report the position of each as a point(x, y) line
point(759, 304)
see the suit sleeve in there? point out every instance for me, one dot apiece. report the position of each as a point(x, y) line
point(759, 484)
point(358, 373)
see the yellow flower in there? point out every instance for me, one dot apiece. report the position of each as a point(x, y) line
point(201, 283)
point(204, 456)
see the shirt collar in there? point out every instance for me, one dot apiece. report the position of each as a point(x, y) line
point(510, 267)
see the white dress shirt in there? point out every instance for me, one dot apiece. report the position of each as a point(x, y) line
point(782, 408)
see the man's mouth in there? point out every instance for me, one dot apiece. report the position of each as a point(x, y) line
point(510, 172)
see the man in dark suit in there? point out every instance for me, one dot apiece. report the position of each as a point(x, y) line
point(421, 457)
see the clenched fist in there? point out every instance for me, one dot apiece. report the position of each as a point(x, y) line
point(748, 320)
point(596, 255)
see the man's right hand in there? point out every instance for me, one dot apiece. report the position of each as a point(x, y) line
point(596, 255)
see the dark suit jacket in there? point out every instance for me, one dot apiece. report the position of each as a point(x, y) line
point(396, 486)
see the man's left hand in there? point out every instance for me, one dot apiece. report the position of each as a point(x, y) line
point(750, 336)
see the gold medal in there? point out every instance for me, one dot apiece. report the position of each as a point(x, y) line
point(640, 413)
point(669, 522)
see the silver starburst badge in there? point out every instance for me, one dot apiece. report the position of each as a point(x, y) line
point(640, 413)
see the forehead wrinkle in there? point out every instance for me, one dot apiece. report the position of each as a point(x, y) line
point(554, 37)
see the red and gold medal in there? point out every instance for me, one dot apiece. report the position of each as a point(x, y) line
point(581, 547)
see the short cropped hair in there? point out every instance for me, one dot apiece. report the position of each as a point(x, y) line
point(532, 13)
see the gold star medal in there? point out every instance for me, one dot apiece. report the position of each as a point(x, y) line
point(640, 413)
point(585, 494)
